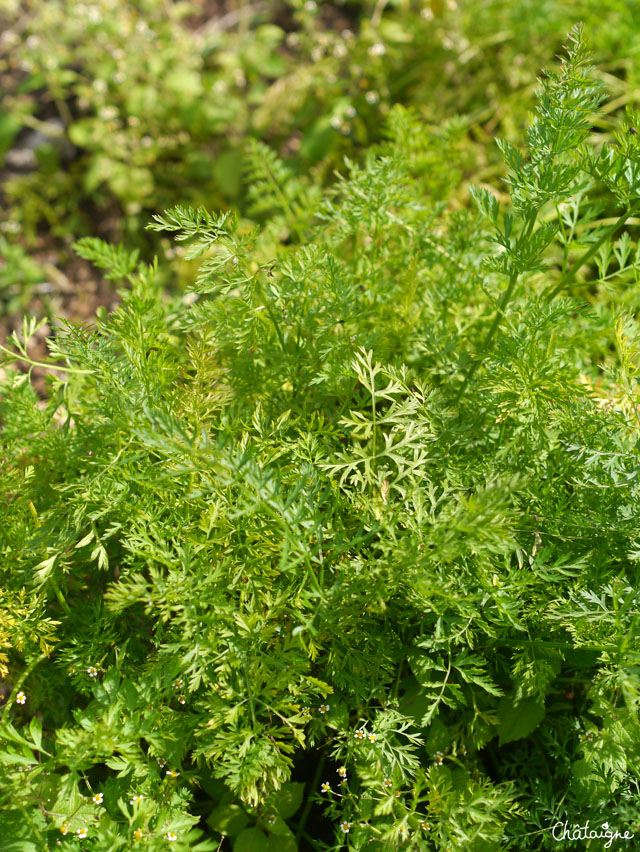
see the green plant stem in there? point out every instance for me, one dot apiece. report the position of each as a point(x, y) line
point(34, 828)
point(569, 276)
point(304, 816)
point(14, 357)
point(376, 17)
point(63, 602)
point(247, 683)
point(504, 301)
point(16, 688)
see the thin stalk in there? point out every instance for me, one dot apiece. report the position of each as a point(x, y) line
point(568, 277)
point(396, 686)
point(34, 513)
point(247, 683)
point(504, 301)
point(58, 592)
point(291, 217)
point(373, 417)
point(377, 13)
point(25, 674)
point(34, 828)
point(14, 357)
point(308, 804)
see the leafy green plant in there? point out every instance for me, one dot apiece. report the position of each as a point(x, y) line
point(324, 555)
point(117, 110)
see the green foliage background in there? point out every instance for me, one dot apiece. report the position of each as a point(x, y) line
point(326, 538)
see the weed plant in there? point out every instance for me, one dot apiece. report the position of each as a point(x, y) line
point(113, 110)
point(341, 551)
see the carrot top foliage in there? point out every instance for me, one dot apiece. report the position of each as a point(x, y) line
point(339, 550)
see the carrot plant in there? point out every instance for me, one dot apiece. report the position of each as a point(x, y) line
point(340, 550)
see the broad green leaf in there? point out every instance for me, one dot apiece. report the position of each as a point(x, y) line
point(518, 720)
point(16, 834)
point(278, 826)
point(251, 840)
point(289, 798)
point(282, 843)
point(35, 729)
point(228, 819)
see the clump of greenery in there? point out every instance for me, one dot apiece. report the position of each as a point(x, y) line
point(116, 110)
point(325, 554)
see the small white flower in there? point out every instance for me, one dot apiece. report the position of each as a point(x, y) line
point(372, 737)
point(345, 826)
point(171, 836)
point(64, 828)
point(182, 699)
point(21, 698)
point(427, 13)
point(336, 122)
point(360, 734)
point(98, 798)
point(178, 683)
point(345, 129)
point(325, 787)
point(317, 53)
point(340, 50)
point(387, 783)
point(271, 819)
point(372, 97)
point(425, 826)
point(350, 111)
point(347, 35)
point(9, 38)
point(137, 799)
point(342, 771)
point(306, 711)
point(311, 6)
point(161, 762)
point(377, 49)
point(82, 833)
point(324, 708)
point(172, 773)
point(92, 671)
